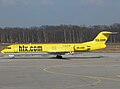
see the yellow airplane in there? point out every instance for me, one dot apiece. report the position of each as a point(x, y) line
point(57, 49)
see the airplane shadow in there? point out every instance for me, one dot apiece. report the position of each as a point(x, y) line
point(64, 58)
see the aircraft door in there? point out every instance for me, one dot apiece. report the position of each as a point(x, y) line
point(16, 49)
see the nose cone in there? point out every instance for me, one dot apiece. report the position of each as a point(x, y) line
point(3, 51)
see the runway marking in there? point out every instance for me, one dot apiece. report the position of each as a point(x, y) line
point(93, 77)
point(74, 75)
point(99, 79)
point(118, 76)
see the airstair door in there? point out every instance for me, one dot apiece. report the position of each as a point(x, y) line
point(16, 49)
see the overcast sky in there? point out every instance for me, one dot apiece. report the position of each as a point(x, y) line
point(27, 13)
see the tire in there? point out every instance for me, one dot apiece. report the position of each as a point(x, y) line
point(59, 56)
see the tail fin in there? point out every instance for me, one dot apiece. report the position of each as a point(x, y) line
point(102, 37)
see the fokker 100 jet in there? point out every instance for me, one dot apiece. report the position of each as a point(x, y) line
point(57, 49)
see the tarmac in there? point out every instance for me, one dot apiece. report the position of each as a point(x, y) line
point(80, 71)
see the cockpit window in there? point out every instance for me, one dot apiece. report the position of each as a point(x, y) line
point(8, 47)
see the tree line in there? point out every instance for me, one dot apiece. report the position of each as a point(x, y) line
point(57, 34)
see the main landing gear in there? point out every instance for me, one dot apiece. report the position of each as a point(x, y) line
point(59, 56)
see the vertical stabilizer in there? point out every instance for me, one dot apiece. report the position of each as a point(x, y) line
point(102, 37)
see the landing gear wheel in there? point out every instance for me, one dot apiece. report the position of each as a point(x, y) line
point(59, 56)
